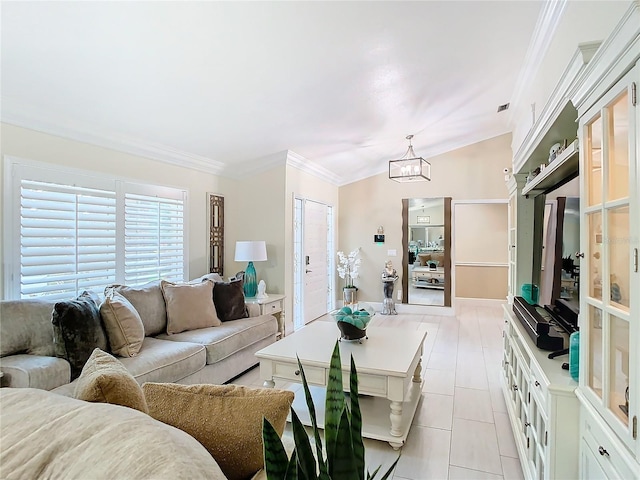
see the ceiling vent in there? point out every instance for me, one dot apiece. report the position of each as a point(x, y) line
point(502, 108)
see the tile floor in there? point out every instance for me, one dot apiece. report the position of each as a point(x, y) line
point(461, 429)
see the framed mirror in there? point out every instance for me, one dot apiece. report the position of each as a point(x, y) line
point(426, 260)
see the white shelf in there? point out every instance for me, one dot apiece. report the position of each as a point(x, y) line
point(558, 170)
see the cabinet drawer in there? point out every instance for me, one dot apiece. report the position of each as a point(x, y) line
point(539, 385)
point(607, 451)
point(271, 308)
point(315, 375)
point(367, 384)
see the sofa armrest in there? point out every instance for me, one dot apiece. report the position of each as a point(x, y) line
point(253, 309)
point(34, 371)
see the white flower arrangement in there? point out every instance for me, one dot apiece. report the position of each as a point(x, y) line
point(348, 266)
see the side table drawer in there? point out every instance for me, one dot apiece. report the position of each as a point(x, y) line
point(271, 308)
point(315, 375)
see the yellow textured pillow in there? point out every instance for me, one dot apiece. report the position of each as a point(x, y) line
point(123, 324)
point(189, 306)
point(226, 419)
point(105, 380)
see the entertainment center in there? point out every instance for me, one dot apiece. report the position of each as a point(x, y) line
point(585, 145)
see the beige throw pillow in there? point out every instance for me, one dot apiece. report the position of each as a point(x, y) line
point(105, 380)
point(123, 324)
point(189, 306)
point(226, 419)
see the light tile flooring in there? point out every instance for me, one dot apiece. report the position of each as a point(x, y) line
point(461, 429)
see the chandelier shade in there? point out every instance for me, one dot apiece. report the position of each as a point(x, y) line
point(409, 168)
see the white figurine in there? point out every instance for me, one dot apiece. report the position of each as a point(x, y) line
point(262, 290)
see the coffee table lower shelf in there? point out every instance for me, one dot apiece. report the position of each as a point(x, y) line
point(376, 423)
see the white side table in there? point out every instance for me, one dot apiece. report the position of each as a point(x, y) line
point(272, 305)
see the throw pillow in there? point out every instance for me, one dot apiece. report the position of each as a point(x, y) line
point(229, 300)
point(105, 380)
point(149, 303)
point(125, 330)
point(189, 306)
point(77, 330)
point(226, 419)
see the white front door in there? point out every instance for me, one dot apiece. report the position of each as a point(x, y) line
point(314, 260)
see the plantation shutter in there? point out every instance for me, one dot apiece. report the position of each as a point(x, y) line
point(67, 239)
point(154, 238)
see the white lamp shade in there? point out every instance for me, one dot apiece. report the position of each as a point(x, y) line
point(255, 251)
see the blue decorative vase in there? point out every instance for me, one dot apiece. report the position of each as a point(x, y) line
point(574, 355)
point(250, 281)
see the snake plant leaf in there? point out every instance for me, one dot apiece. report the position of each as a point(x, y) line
point(356, 422)
point(344, 465)
point(275, 457)
point(306, 460)
point(322, 464)
point(391, 468)
point(334, 404)
point(292, 468)
point(371, 476)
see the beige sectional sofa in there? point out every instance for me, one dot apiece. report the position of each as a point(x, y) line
point(206, 355)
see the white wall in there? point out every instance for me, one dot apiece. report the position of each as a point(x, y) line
point(472, 172)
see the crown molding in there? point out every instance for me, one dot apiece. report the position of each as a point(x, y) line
point(619, 51)
point(543, 34)
point(301, 163)
point(28, 117)
point(557, 109)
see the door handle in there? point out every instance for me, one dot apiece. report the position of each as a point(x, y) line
point(308, 271)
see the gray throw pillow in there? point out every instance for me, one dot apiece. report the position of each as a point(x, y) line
point(229, 300)
point(78, 330)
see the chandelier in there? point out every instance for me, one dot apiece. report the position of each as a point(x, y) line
point(409, 168)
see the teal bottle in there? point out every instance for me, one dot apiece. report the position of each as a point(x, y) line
point(574, 355)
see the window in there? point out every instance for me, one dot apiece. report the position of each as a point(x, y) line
point(68, 232)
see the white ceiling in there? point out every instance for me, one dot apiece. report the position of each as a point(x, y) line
point(224, 85)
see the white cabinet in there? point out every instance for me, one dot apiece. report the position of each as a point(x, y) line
point(541, 404)
point(609, 389)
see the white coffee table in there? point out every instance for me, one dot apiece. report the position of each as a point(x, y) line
point(389, 374)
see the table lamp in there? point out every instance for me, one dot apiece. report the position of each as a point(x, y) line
point(254, 251)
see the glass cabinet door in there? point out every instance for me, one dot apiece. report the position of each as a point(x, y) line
point(608, 147)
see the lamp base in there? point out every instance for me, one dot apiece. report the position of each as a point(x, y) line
point(250, 281)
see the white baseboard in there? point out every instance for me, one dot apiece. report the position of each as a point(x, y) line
point(445, 311)
point(480, 302)
point(417, 309)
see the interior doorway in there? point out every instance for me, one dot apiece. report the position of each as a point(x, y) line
point(313, 260)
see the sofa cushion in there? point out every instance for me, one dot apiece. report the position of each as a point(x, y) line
point(164, 361)
point(189, 306)
point(35, 371)
point(26, 327)
point(226, 419)
point(214, 277)
point(45, 435)
point(78, 330)
point(229, 300)
point(149, 303)
point(230, 337)
point(123, 324)
point(105, 380)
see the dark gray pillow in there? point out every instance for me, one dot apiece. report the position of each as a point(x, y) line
point(229, 300)
point(78, 330)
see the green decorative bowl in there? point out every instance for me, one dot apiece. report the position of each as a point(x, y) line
point(353, 323)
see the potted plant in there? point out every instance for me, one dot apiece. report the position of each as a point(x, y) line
point(342, 433)
point(348, 266)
